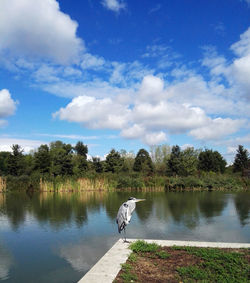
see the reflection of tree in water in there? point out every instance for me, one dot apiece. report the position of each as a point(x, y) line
point(212, 203)
point(5, 262)
point(15, 208)
point(242, 205)
point(53, 208)
point(184, 208)
point(161, 206)
point(144, 209)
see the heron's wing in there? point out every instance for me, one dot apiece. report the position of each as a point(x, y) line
point(122, 219)
point(131, 208)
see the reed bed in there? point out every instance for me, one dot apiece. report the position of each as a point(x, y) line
point(70, 185)
point(2, 184)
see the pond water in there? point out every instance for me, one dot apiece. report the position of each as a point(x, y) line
point(50, 237)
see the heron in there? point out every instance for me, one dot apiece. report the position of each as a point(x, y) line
point(124, 214)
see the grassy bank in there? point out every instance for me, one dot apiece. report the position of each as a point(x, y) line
point(153, 263)
point(111, 182)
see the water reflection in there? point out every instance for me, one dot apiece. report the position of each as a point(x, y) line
point(242, 204)
point(61, 209)
point(58, 237)
point(85, 253)
point(6, 261)
point(212, 205)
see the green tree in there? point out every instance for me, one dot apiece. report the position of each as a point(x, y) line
point(15, 161)
point(4, 156)
point(42, 159)
point(210, 160)
point(81, 149)
point(129, 159)
point(80, 163)
point(241, 160)
point(160, 155)
point(143, 162)
point(61, 158)
point(188, 161)
point(114, 162)
point(174, 162)
point(97, 164)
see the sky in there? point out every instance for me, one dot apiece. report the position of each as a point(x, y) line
point(125, 74)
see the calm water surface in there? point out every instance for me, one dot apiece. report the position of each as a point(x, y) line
point(58, 237)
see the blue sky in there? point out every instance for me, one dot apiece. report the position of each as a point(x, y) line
point(125, 74)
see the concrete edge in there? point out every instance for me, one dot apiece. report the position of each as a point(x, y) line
point(107, 268)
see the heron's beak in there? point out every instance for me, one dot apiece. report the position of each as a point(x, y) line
point(140, 199)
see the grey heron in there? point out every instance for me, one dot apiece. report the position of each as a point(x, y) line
point(124, 214)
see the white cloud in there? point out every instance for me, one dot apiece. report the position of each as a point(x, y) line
point(72, 137)
point(154, 111)
point(7, 106)
point(92, 62)
point(154, 138)
point(134, 132)
point(3, 123)
point(173, 117)
point(95, 88)
point(46, 73)
point(27, 145)
point(152, 89)
point(242, 47)
point(114, 5)
point(95, 113)
point(139, 132)
point(38, 29)
point(217, 128)
point(236, 73)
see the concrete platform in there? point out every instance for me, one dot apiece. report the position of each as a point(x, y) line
point(106, 269)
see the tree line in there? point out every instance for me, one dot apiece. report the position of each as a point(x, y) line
point(61, 159)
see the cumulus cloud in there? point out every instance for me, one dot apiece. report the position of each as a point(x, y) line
point(95, 113)
point(152, 89)
point(7, 106)
point(154, 112)
point(173, 117)
point(114, 5)
point(27, 145)
point(217, 128)
point(148, 137)
point(38, 29)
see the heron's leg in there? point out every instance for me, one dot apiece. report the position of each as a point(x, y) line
point(124, 234)
point(125, 240)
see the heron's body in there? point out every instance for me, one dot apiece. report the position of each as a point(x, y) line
point(125, 212)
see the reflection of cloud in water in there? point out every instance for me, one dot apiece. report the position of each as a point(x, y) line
point(83, 255)
point(5, 263)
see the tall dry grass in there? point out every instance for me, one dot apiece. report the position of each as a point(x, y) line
point(2, 184)
point(82, 184)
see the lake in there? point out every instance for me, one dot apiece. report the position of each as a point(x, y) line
point(48, 237)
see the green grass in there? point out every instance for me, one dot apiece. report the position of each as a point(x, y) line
point(142, 246)
point(162, 254)
point(132, 257)
point(127, 276)
point(217, 266)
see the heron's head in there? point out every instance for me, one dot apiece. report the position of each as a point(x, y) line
point(136, 199)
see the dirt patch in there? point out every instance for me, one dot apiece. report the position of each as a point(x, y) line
point(150, 267)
